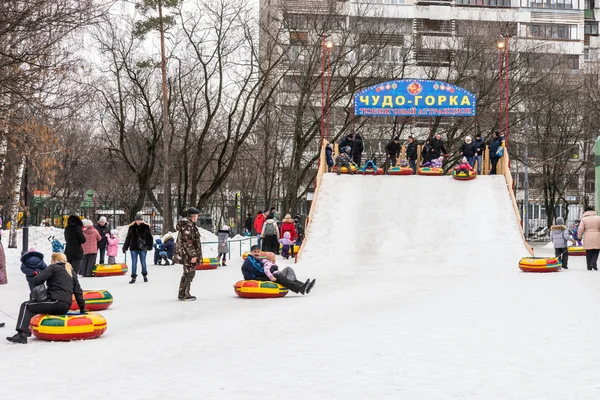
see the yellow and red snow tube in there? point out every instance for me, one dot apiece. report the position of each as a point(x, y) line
point(208, 263)
point(464, 175)
point(262, 256)
point(68, 327)
point(400, 171)
point(109, 269)
point(95, 300)
point(429, 171)
point(577, 251)
point(540, 264)
point(344, 170)
point(371, 171)
point(259, 289)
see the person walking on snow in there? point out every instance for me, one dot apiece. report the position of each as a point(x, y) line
point(138, 241)
point(73, 240)
point(559, 235)
point(188, 252)
point(90, 248)
point(112, 248)
point(259, 221)
point(589, 231)
point(223, 236)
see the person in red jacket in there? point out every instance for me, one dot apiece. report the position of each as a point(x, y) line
point(288, 225)
point(259, 221)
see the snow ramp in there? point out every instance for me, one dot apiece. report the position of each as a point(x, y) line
point(368, 220)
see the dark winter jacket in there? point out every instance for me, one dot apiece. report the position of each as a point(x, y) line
point(329, 156)
point(169, 247)
point(392, 148)
point(480, 145)
point(138, 237)
point(61, 286)
point(188, 245)
point(437, 148)
point(32, 262)
point(411, 151)
point(253, 269)
point(102, 230)
point(248, 224)
point(468, 149)
point(347, 141)
point(74, 238)
point(496, 143)
point(358, 146)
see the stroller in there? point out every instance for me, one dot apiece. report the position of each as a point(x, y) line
point(57, 247)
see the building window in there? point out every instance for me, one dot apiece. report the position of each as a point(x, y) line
point(484, 3)
point(547, 31)
point(591, 28)
point(565, 4)
point(586, 54)
point(298, 38)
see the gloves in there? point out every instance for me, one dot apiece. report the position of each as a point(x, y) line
point(124, 251)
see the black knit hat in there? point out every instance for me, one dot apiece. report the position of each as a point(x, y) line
point(138, 217)
point(192, 211)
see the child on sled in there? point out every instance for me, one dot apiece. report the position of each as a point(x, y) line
point(435, 163)
point(286, 277)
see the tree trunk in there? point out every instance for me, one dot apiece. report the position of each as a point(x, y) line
point(166, 201)
point(4, 146)
point(14, 220)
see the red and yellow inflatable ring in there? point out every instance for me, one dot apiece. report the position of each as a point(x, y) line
point(428, 171)
point(539, 264)
point(400, 171)
point(262, 256)
point(208, 263)
point(577, 251)
point(68, 327)
point(109, 269)
point(259, 289)
point(95, 300)
point(464, 175)
point(371, 171)
point(344, 170)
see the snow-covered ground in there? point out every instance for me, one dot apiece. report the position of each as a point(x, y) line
point(418, 297)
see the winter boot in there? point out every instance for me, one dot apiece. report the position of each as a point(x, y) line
point(1, 324)
point(133, 278)
point(187, 298)
point(20, 337)
point(223, 263)
point(310, 285)
point(303, 287)
point(145, 277)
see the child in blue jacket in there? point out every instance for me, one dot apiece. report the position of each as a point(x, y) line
point(32, 262)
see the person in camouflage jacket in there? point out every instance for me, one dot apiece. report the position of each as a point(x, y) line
point(188, 251)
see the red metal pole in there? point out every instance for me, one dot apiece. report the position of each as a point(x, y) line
point(328, 91)
point(500, 92)
point(506, 87)
point(322, 91)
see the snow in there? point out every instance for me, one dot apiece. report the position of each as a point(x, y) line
point(418, 297)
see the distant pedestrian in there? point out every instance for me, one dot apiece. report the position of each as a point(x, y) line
point(481, 146)
point(248, 224)
point(559, 235)
point(139, 240)
point(392, 151)
point(412, 153)
point(188, 252)
point(90, 248)
point(589, 231)
point(112, 248)
point(223, 247)
point(357, 149)
point(270, 235)
point(496, 151)
point(103, 229)
point(74, 239)
point(259, 221)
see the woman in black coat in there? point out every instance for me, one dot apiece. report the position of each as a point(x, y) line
point(61, 281)
point(74, 239)
point(138, 241)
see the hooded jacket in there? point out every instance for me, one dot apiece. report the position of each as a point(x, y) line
point(32, 262)
point(74, 238)
point(559, 235)
point(288, 225)
point(253, 269)
point(169, 245)
point(61, 286)
point(270, 221)
point(259, 221)
point(139, 237)
point(112, 246)
point(589, 230)
point(92, 237)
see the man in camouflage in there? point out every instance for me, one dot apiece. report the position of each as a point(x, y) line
point(188, 251)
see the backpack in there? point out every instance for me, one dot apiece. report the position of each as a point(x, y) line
point(270, 229)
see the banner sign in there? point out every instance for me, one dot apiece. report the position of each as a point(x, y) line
point(418, 97)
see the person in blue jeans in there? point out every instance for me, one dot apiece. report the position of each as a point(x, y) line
point(481, 146)
point(138, 241)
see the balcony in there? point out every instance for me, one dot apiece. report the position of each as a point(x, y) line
point(588, 14)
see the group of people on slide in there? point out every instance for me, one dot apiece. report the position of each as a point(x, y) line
point(433, 153)
point(53, 286)
point(586, 230)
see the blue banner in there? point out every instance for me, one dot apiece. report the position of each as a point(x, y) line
point(418, 97)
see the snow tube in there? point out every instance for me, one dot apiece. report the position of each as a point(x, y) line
point(68, 327)
point(208, 263)
point(371, 171)
point(296, 248)
point(259, 289)
point(109, 269)
point(577, 251)
point(400, 171)
point(262, 256)
point(95, 300)
point(344, 170)
point(539, 264)
point(464, 175)
point(428, 171)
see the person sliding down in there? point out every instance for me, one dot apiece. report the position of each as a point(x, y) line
point(435, 163)
point(344, 160)
point(369, 164)
point(464, 166)
point(286, 277)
